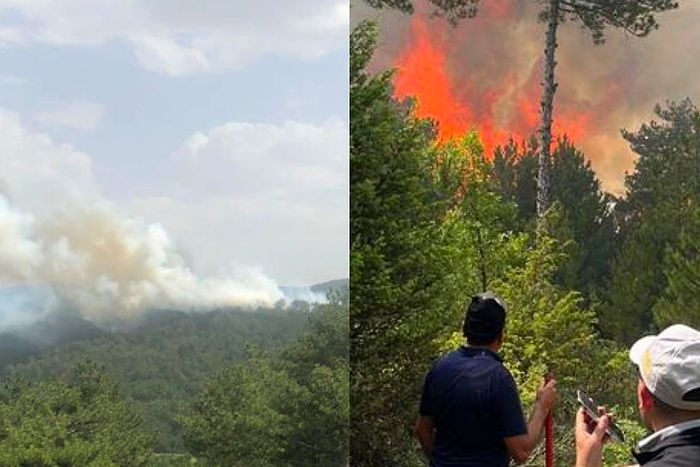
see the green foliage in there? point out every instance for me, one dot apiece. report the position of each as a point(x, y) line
point(662, 194)
point(680, 301)
point(240, 418)
point(618, 454)
point(514, 169)
point(398, 278)
point(290, 410)
point(453, 10)
point(546, 328)
point(585, 221)
point(162, 364)
point(634, 17)
point(79, 419)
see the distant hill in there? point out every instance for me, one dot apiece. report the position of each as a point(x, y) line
point(316, 293)
point(326, 287)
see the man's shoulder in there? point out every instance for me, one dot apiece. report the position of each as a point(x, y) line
point(679, 450)
point(452, 355)
point(446, 361)
point(464, 358)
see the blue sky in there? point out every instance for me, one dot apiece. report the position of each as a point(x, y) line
point(220, 125)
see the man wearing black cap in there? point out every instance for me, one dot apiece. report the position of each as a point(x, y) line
point(470, 411)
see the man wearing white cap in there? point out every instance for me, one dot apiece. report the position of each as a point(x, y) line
point(669, 402)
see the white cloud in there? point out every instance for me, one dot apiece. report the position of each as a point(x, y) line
point(10, 36)
point(186, 36)
point(162, 54)
point(79, 115)
point(39, 174)
point(275, 194)
point(289, 161)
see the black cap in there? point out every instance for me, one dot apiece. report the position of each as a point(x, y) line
point(485, 319)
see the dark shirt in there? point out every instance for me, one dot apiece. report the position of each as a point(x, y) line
point(474, 402)
point(676, 450)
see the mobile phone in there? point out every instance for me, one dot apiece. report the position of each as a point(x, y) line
point(591, 408)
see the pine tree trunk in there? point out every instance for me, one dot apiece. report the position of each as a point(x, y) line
point(547, 104)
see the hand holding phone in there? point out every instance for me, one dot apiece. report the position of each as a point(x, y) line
point(591, 408)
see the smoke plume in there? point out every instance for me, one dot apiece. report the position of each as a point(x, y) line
point(64, 246)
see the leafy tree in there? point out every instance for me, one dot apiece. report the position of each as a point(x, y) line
point(319, 362)
point(483, 225)
point(407, 273)
point(588, 214)
point(585, 218)
point(240, 419)
point(290, 410)
point(680, 301)
point(634, 17)
point(514, 175)
point(77, 420)
point(662, 192)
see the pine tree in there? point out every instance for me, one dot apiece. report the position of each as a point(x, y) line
point(78, 419)
point(661, 194)
point(680, 301)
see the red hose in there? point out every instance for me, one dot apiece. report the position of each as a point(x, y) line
point(548, 433)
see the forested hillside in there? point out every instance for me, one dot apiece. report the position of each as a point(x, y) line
point(165, 361)
point(434, 222)
point(157, 376)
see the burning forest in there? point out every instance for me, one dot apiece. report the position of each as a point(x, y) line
point(614, 259)
point(484, 74)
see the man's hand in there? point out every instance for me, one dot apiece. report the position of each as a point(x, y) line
point(547, 395)
point(520, 447)
point(590, 438)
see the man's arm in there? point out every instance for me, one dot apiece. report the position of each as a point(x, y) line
point(520, 447)
point(425, 432)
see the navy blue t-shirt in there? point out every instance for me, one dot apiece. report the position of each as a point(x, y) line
point(474, 402)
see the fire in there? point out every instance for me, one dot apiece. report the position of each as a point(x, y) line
point(499, 106)
point(421, 74)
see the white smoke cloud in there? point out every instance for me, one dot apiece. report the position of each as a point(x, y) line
point(19, 255)
point(58, 234)
point(304, 294)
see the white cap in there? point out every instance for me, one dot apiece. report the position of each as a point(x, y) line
point(669, 364)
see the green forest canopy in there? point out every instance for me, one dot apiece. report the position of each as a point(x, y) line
point(158, 375)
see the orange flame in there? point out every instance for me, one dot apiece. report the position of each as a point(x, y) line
point(498, 109)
